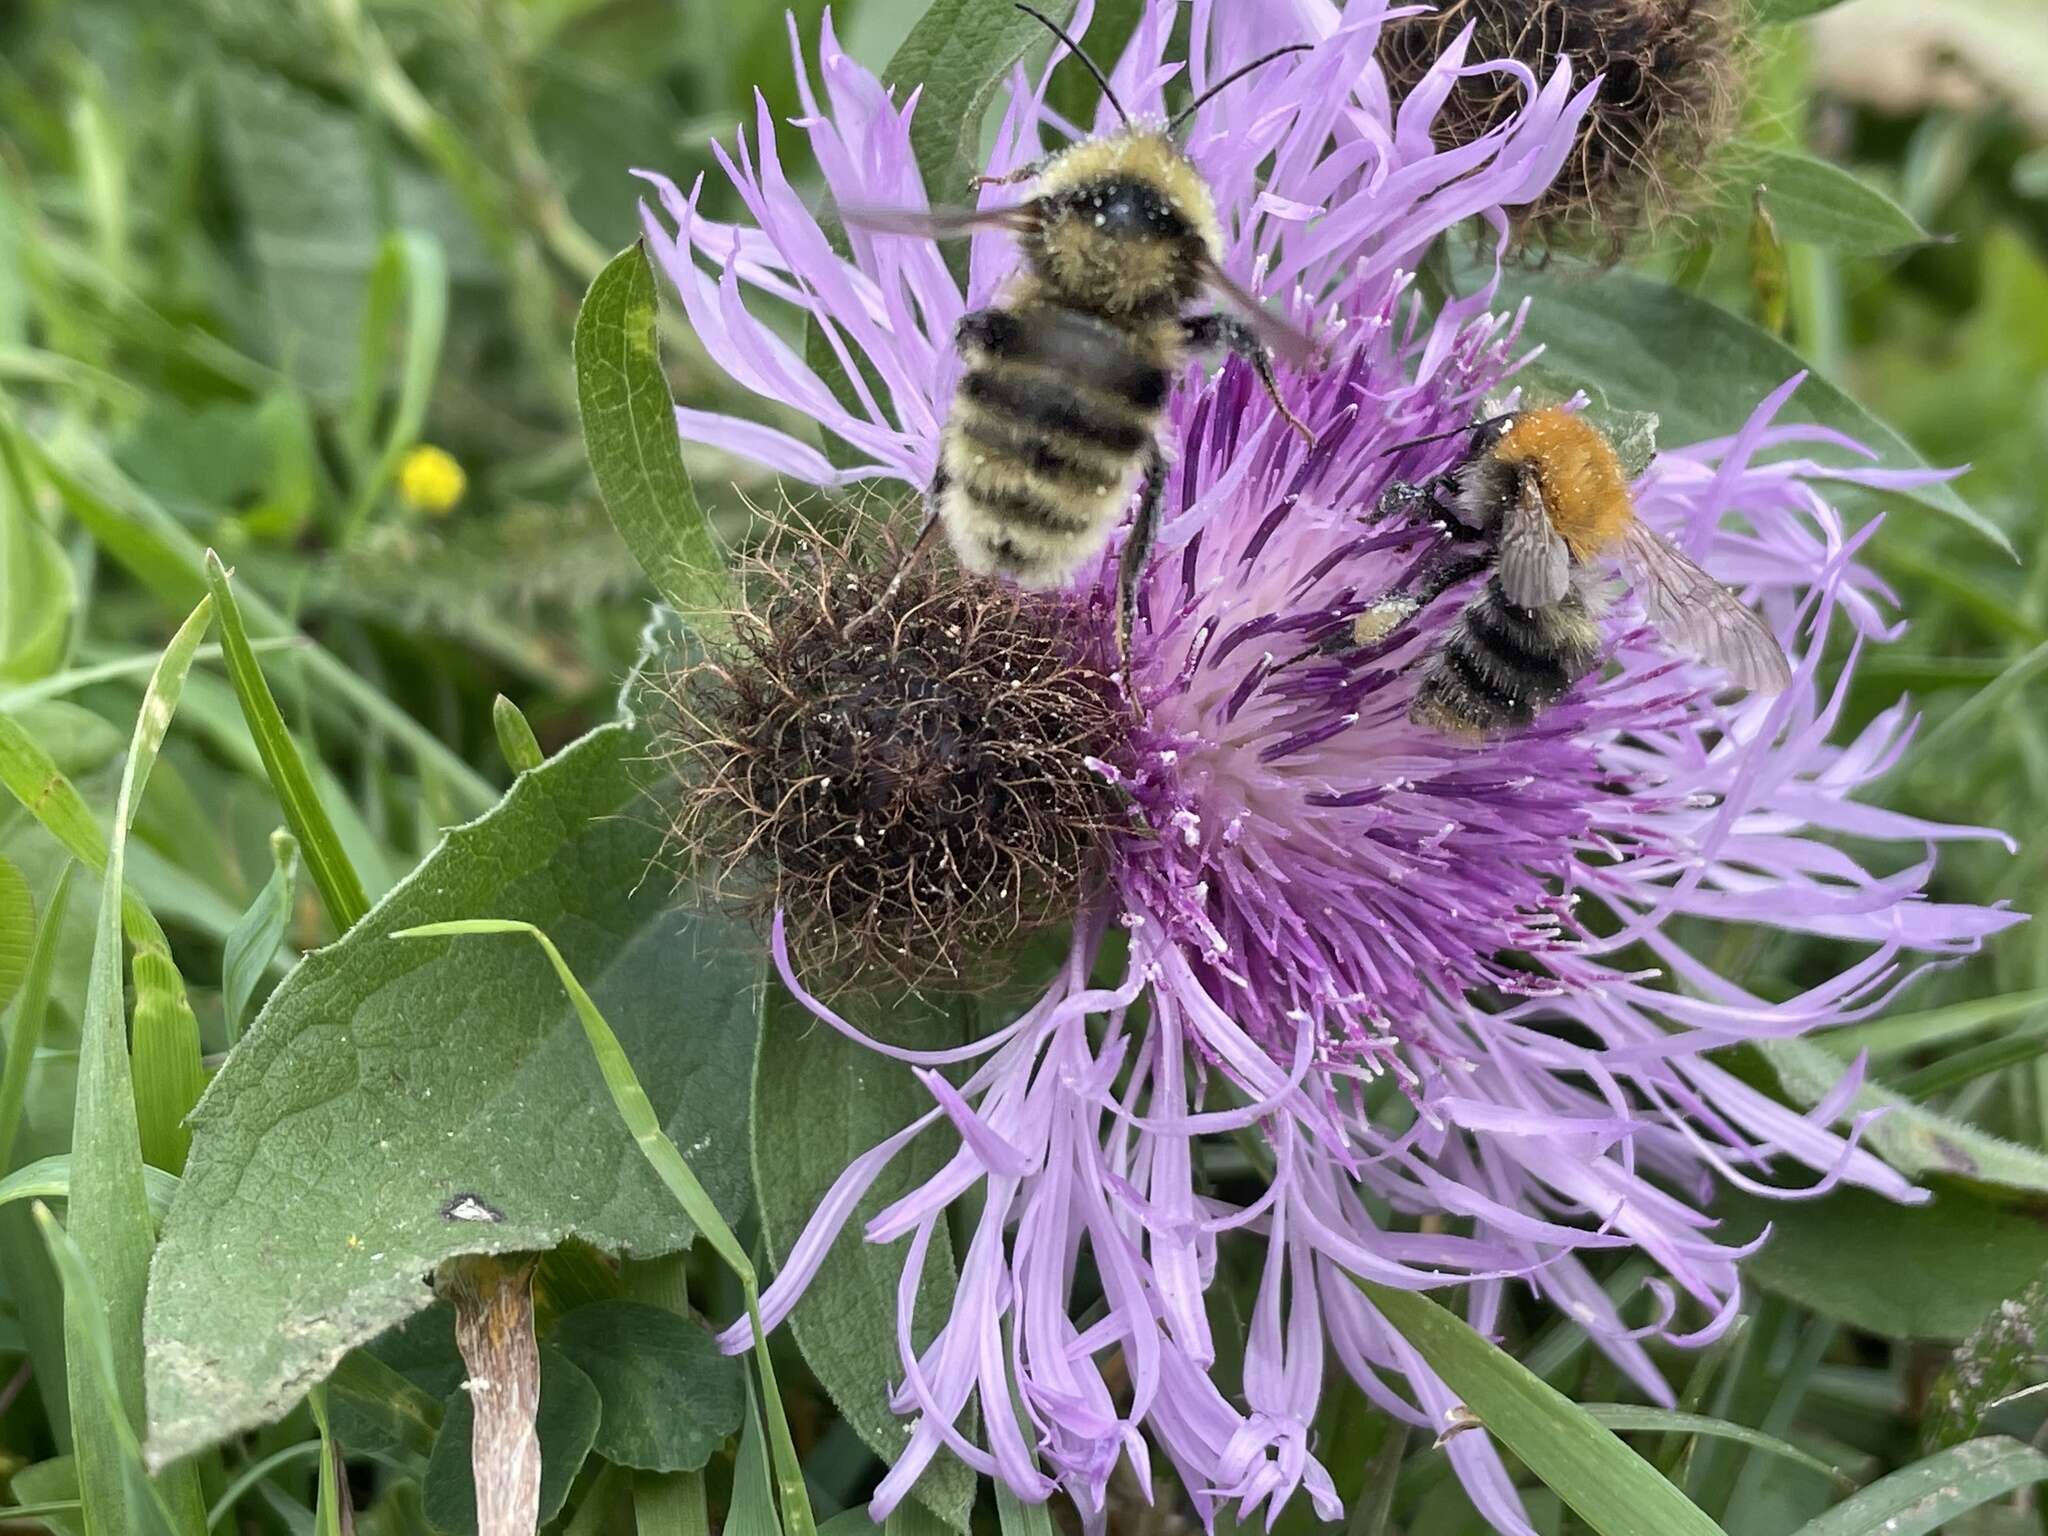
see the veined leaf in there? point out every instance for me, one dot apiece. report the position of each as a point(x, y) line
point(1815, 201)
point(432, 1100)
point(958, 55)
point(629, 431)
point(820, 1101)
point(26, 1033)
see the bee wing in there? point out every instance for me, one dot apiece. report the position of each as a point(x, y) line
point(1699, 615)
point(1534, 562)
point(941, 223)
point(1282, 339)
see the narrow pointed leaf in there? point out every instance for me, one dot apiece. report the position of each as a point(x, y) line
point(1612, 1489)
point(109, 1218)
point(341, 889)
point(1924, 1497)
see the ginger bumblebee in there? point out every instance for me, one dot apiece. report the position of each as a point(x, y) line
point(1540, 504)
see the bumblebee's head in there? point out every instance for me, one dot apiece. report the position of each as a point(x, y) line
point(1126, 226)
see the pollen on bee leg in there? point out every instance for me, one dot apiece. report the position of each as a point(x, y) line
point(1383, 618)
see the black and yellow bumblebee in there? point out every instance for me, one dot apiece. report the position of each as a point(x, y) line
point(1055, 423)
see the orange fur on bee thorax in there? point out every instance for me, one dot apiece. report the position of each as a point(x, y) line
point(1585, 490)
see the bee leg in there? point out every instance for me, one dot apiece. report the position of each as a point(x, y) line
point(1131, 568)
point(1399, 606)
point(910, 558)
point(1008, 178)
point(1409, 503)
point(1227, 333)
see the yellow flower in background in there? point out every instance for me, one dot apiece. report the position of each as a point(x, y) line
point(430, 480)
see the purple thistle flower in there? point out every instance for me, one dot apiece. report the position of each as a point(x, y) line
point(1317, 910)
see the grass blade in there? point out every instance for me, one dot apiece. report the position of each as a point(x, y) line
point(1925, 1496)
point(1903, 1032)
point(250, 1476)
point(1627, 1417)
point(415, 259)
point(120, 1497)
point(27, 1031)
point(110, 1221)
point(29, 1282)
point(256, 937)
point(1612, 1489)
point(152, 545)
point(645, 1127)
point(49, 1178)
point(17, 931)
point(341, 889)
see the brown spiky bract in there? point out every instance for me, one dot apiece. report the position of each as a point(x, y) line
point(1667, 99)
point(913, 798)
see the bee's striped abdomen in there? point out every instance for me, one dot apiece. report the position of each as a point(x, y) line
point(1501, 665)
point(1052, 424)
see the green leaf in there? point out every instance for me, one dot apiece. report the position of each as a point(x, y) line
point(52, 1482)
point(566, 1422)
point(1629, 1418)
point(670, 1398)
point(17, 941)
point(515, 737)
point(37, 592)
point(314, 210)
point(629, 431)
point(109, 1217)
point(1916, 1141)
point(1814, 201)
point(341, 889)
point(255, 1473)
point(256, 937)
point(379, 1412)
point(1905, 1271)
point(395, 1105)
point(421, 269)
point(1927, 1495)
point(958, 54)
point(1768, 11)
point(1701, 369)
point(118, 1497)
point(26, 1032)
point(1903, 1032)
point(49, 1178)
point(820, 1100)
point(1614, 1490)
point(752, 1512)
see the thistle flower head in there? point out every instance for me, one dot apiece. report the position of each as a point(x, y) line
point(923, 791)
point(1438, 984)
point(1667, 70)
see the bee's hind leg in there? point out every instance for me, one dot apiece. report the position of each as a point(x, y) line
point(1131, 567)
point(1227, 333)
point(911, 556)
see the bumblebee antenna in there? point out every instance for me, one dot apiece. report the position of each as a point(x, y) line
point(1080, 53)
point(1231, 79)
point(1437, 437)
